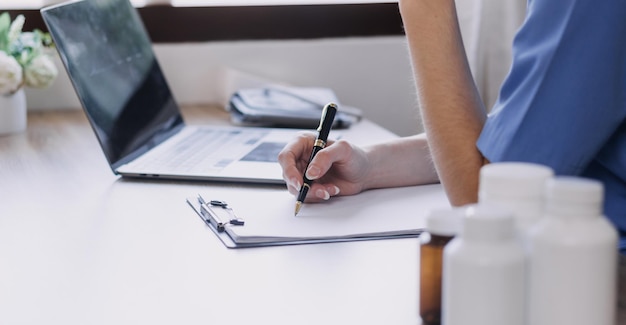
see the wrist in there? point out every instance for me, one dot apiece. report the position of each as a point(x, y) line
point(382, 170)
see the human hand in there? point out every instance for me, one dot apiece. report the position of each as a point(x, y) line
point(340, 168)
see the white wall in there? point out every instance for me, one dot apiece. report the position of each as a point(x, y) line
point(373, 74)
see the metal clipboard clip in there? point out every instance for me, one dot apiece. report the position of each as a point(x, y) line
point(215, 211)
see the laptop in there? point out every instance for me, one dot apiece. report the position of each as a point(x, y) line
point(109, 58)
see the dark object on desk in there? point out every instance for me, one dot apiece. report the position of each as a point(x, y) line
point(326, 121)
point(290, 107)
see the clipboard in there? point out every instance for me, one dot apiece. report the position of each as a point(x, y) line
point(243, 218)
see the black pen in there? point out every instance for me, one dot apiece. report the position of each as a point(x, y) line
point(326, 122)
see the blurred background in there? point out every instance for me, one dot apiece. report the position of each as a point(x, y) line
point(208, 49)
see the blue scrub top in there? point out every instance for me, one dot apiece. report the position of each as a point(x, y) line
point(563, 103)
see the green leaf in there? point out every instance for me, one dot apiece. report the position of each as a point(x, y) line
point(46, 39)
point(5, 25)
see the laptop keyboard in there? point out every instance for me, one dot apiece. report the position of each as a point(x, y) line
point(202, 150)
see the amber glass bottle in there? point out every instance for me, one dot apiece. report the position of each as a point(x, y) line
point(441, 226)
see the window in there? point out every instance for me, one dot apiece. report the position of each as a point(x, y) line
point(37, 4)
point(226, 20)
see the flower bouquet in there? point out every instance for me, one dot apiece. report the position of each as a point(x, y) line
point(24, 57)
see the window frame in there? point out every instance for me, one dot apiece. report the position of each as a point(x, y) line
point(271, 22)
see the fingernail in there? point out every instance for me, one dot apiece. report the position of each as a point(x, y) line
point(312, 173)
point(336, 190)
point(296, 184)
point(322, 194)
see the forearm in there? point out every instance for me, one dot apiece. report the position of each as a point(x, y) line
point(452, 111)
point(414, 168)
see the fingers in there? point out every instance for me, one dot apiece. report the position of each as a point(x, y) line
point(338, 152)
point(293, 159)
point(322, 192)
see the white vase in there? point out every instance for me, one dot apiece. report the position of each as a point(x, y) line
point(13, 113)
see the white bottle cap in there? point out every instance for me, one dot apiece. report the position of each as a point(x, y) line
point(518, 180)
point(444, 222)
point(574, 196)
point(486, 222)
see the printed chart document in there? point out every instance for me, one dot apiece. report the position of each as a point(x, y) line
point(267, 215)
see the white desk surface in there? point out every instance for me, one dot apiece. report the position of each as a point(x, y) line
point(79, 245)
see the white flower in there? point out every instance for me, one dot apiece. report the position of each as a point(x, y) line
point(10, 74)
point(41, 72)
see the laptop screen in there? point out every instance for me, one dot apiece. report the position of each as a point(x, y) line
point(109, 58)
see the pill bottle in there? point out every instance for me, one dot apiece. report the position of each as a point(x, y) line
point(518, 187)
point(441, 226)
point(573, 257)
point(484, 270)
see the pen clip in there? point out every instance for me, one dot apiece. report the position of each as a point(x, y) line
point(326, 120)
point(215, 211)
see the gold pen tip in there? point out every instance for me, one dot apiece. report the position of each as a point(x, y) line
point(298, 206)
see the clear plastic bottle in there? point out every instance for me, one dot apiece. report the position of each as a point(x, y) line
point(484, 271)
point(573, 258)
point(517, 186)
point(441, 226)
